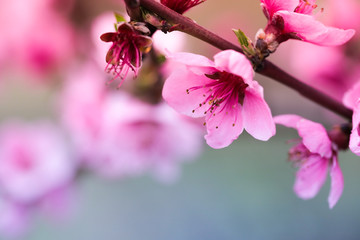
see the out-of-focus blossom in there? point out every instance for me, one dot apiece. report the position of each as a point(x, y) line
point(125, 53)
point(333, 70)
point(294, 19)
point(34, 161)
point(14, 219)
point(223, 92)
point(352, 101)
point(138, 137)
point(314, 155)
point(181, 6)
point(119, 136)
point(38, 39)
point(81, 107)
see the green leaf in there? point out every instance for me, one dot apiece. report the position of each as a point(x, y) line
point(119, 18)
point(243, 39)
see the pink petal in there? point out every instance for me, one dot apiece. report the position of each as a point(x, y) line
point(337, 183)
point(235, 63)
point(175, 92)
point(196, 63)
point(310, 30)
point(352, 96)
point(273, 6)
point(311, 177)
point(224, 127)
point(258, 121)
point(288, 120)
point(315, 137)
point(354, 144)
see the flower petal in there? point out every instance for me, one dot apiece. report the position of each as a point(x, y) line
point(352, 96)
point(224, 127)
point(258, 121)
point(273, 6)
point(315, 137)
point(175, 92)
point(311, 177)
point(354, 144)
point(310, 30)
point(198, 64)
point(288, 120)
point(337, 183)
point(235, 63)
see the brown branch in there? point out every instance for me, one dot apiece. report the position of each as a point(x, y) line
point(270, 70)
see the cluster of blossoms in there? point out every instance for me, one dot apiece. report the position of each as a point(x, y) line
point(141, 128)
point(224, 94)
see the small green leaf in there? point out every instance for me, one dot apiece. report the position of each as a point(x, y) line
point(119, 18)
point(243, 39)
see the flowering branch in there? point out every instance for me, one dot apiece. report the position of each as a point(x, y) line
point(269, 69)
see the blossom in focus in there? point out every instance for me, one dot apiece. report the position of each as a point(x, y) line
point(223, 92)
point(34, 161)
point(352, 100)
point(294, 19)
point(314, 154)
point(181, 6)
point(125, 53)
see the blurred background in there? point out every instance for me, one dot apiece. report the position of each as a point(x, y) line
point(54, 99)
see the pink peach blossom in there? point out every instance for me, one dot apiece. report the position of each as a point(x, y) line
point(125, 53)
point(116, 135)
point(34, 161)
point(314, 155)
point(352, 100)
point(181, 6)
point(140, 137)
point(38, 40)
point(81, 104)
point(294, 19)
point(223, 92)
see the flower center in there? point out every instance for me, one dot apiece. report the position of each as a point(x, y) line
point(305, 7)
point(224, 92)
point(298, 154)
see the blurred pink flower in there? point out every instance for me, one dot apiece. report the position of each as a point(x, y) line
point(138, 136)
point(314, 154)
point(38, 39)
point(293, 19)
point(34, 161)
point(352, 100)
point(223, 92)
point(118, 136)
point(181, 6)
point(14, 219)
point(81, 106)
